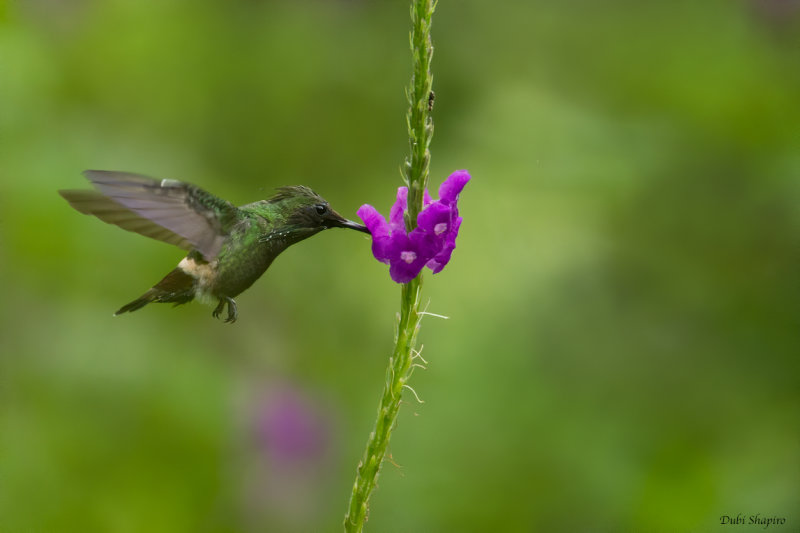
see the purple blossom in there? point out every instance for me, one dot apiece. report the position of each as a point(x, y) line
point(289, 427)
point(430, 244)
point(288, 459)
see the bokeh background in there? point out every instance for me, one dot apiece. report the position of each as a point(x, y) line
point(622, 348)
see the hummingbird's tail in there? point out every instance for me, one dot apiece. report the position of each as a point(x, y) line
point(177, 287)
point(136, 304)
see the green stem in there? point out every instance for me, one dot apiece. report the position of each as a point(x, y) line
point(420, 123)
point(420, 131)
point(396, 377)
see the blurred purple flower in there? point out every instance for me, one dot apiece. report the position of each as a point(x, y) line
point(430, 244)
point(289, 428)
point(289, 460)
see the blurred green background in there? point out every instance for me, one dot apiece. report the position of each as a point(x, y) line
point(622, 352)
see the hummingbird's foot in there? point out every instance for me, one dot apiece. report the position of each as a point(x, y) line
point(232, 312)
point(217, 310)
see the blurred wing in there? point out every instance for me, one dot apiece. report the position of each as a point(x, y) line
point(107, 210)
point(187, 211)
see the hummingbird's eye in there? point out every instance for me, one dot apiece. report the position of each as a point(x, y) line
point(321, 209)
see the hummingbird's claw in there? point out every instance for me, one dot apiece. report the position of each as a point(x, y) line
point(232, 312)
point(217, 310)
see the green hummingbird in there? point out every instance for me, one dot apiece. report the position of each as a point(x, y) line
point(229, 247)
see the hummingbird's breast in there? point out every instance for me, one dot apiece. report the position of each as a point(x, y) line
point(242, 259)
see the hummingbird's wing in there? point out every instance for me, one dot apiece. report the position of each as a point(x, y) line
point(107, 210)
point(168, 210)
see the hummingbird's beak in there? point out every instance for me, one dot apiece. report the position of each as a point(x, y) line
point(353, 225)
point(335, 220)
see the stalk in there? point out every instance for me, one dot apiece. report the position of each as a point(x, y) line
point(420, 132)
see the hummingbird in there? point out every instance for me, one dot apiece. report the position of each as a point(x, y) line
point(229, 247)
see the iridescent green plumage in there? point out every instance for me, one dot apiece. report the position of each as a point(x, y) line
point(229, 247)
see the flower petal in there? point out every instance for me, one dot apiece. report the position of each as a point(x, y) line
point(400, 206)
point(407, 259)
point(425, 244)
point(434, 215)
point(380, 231)
point(376, 224)
point(452, 186)
point(440, 260)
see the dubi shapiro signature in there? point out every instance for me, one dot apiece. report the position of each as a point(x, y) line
point(742, 519)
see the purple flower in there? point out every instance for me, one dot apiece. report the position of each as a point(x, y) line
point(289, 427)
point(430, 244)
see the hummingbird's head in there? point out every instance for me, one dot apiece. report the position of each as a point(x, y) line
point(306, 209)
